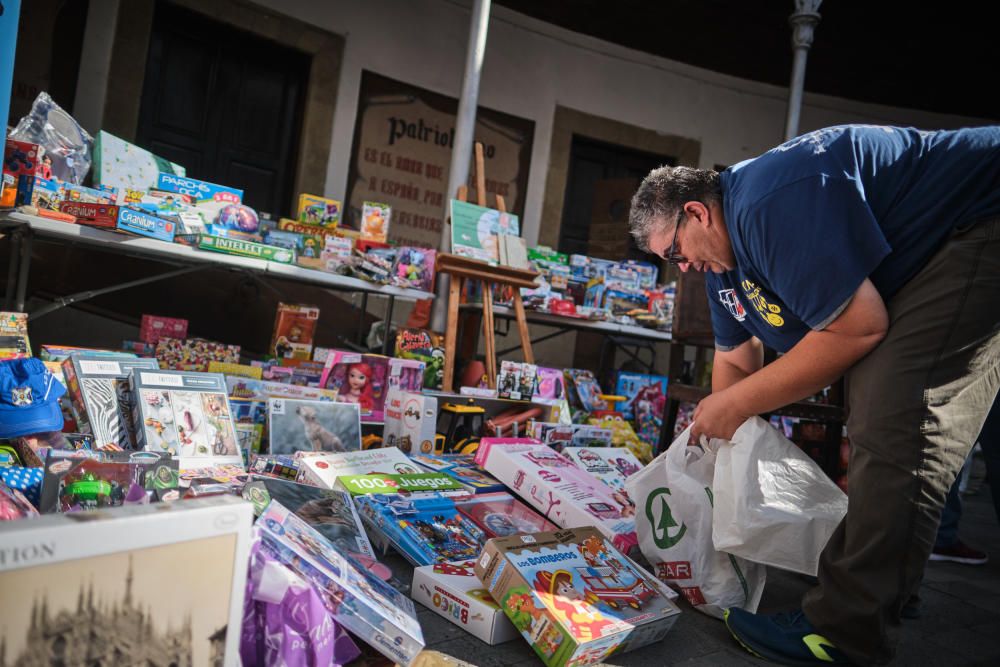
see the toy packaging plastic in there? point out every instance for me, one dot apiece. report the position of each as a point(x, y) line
point(314, 210)
point(501, 514)
point(294, 328)
point(193, 354)
point(14, 343)
point(461, 467)
point(91, 479)
point(453, 591)
point(312, 426)
point(361, 379)
point(323, 469)
point(414, 268)
point(573, 597)
point(331, 513)
point(186, 414)
point(100, 398)
point(424, 529)
point(375, 221)
point(154, 327)
point(138, 544)
point(364, 605)
point(565, 494)
point(410, 421)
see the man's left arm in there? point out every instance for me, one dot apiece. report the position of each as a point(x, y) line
point(816, 361)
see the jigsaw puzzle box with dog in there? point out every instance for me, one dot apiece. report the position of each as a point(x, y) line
point(312, 426)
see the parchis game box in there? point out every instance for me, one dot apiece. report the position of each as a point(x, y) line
point(573, 596)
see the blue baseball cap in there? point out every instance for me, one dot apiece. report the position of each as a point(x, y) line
point(29, 398)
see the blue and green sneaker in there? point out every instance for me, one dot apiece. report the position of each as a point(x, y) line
point(788, 638)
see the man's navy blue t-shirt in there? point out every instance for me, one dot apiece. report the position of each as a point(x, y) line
point(811, 219)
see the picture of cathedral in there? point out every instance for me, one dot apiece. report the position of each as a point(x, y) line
point(80, 616)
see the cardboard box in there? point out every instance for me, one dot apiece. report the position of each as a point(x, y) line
point(410, 421)
point(573, 596)
point(95, 215)
point(569, 497)
point(315, 210)
point(260, 390)
point(453, 591)
point(323, 469)
point(611, 465)
point(462, 468)
point(382, 483)
point(14, 342)
point(312, 426)
point(501, 515)
point(110, 567)
point(369, 608)
point(487, 444)
point(375, 219)
point(143, 224)
point(358, 378)
point(199, 191)
point(194, 354)
point(294, 328)
point(119, 164)
point(245, 249)
point(154, 327)
point(99, 396)
point(22, 163)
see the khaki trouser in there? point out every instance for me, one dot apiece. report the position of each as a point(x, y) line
point(917, 404)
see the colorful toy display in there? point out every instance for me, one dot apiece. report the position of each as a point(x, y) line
point(82, 479)
point(573, 596)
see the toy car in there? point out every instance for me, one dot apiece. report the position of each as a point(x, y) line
point(465, 427)
point(89, 490)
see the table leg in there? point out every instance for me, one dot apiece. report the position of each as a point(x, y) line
point(489, 342)
point(22, 272)
point(15, 246)
point(361, 320)
point(522, 327)
point(388, 324)
point(454, 295)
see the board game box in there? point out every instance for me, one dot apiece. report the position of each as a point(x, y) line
point(364, 605)
point(172, 574)
point(425, 529)
point(154, 327)
point(414, 483)
point(184, 413)
point(573, 596)
point(563, 493)
point(312, 426)
point(461, 467)
point(323, 469)
point(315, 210)
point(453, 591)
point(100, 398)
point(331, 513)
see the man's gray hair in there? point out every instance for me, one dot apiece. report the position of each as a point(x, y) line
point(662, 194)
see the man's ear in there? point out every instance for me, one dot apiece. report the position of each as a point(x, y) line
point(698, 213)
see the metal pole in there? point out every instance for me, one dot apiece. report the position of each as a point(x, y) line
point(803, 20)
point(465, 125)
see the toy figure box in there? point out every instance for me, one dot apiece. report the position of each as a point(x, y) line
point(405, 374)
point(573, 596)
point(410, 421)
point(144, 224)
point(14, 336)
point(186, 414)
point(369, 608)
point(375, 221)
point(323, 469)
point(154, 327)
point(100, 398)
point(294, 328)
point(453, 591)
point(154, 584)
point(243, 248)
point(423, 346)
point(312, 426)
point(583, 390)
point(314, 210)
point(86, 479)
point(358, 378)
point(501, 514)
point(194, 354)
point(331, 513)
point(563, 493)
point(636, 387)
point(462, 468)
point(22, 162)
point(424, 529)
point(415, 483)
point(611, 465)
point(517, 381)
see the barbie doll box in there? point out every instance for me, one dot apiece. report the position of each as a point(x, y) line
point(573, 596)
point(566, 495)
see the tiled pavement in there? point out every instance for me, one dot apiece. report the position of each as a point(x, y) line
point(959, 625)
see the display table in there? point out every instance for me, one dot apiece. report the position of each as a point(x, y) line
point(24, 230)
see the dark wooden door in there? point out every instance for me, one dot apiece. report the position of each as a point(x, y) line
point(225, 104)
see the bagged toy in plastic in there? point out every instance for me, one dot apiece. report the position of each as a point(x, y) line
point(64, 141)
point(773, 504)
point(673, 497)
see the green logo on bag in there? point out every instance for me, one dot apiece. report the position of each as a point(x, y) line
point(661, 527)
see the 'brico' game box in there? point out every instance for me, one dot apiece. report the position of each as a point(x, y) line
point(573, 596)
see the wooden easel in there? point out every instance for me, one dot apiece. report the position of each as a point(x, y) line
point(462, 269)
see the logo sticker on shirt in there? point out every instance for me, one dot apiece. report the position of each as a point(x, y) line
point(769, 312)
point(727, 297)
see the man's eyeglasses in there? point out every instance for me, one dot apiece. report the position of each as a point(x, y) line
point(672, 256)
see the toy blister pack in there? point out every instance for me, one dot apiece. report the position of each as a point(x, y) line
point(185, 414)
point(366, 606)
point(312, 426)
point(361, 379)
point(423, 346)
point(573, 596)
point(425, 529)
point(331, 513)
point(462, 468)
point(583, 390)
point(550, 384)
point(100, 397)
point(501, 515)
point(83, 479)
point(294, 328)
point(517, 381)
point(565, 494)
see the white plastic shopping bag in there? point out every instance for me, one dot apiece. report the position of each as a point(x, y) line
point(673, 497)
point(773, 504)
